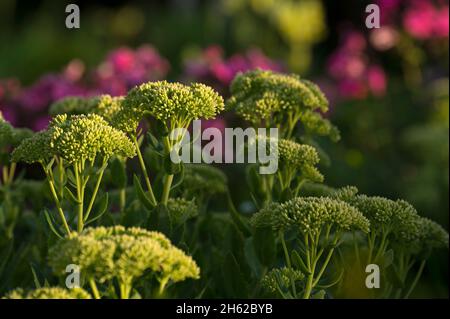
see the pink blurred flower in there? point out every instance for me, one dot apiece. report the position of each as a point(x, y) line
point(125, 68)
point(419, 20)
point(384, 38)
point(376, 79)
point(441, 26)
point(352, 89)
point(211, 67)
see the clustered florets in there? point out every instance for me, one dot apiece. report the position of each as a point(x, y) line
point(116, 252)
point(206, 179)
point(265, 97)
point(11, 136)
point(301, 157)
point(398, 219)
point(280, 277)
point(166, 101)
point(49, 293)
point(74, 138)
point(85, 136)
point(103, 105)
point(34, 149)
point(180, 210)
point(310, 215)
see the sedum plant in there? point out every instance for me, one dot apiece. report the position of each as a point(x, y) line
point(105, 255)
point(49, 293)
point(269, 99)
point(319, 224)
point(172, 106)
point(80, 147)
point(104, 105)
point(286, 235)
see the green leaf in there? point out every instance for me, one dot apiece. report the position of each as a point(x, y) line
point(297, 261)
point(161, 129)
point(118, 173)
point(71, 195)
point(234, 279)
point(388, 258)
point(170, 167)
point(265, 246)
point(254, 182)
point(394, 279)
point(143, 198)
point(37, 284)
point(319, 295)
point(180, 178)
point(153, 141)
point(334, 282)
point(50, 223)
point(102, 207)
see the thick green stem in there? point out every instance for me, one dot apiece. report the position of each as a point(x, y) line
point(125, 289)
point(166, 190)
point(122, 199)
point(80, 196)
point(94, 288)
point(144, 171)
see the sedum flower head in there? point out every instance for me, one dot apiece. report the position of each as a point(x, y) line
point(73, 105)
point(103, 105)
point(272, 98)
point(301, 157)
point(49, 293)
point(34, 149)
point(206, 179)
point(257, 95)
point(432, 235)
point(180, 210)
point(85, 136)
point(379, 210)
point(123, 253)
point(166, 101)
point(6, 131)
point(280, 277)
point(310, 214)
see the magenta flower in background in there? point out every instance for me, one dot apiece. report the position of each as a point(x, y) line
point(352, 71)
point(122, 69)
point(125, 68)
point(213, 68)
point(419, 20)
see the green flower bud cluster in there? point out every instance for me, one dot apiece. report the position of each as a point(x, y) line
point(180, 210)
point(407, 230)
point(258, 95)
point(206, 179)
point(310, 215)
point(432, 235)
point(74, 138)
point(80, 137)
point(166, 101)
point(301, 157)
point(123, 253)
point(268, 98)
point(104, 105)
point(280, 277)
point(49, 293)
point(73, 105)
point(10, 136)
point(34, 149)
